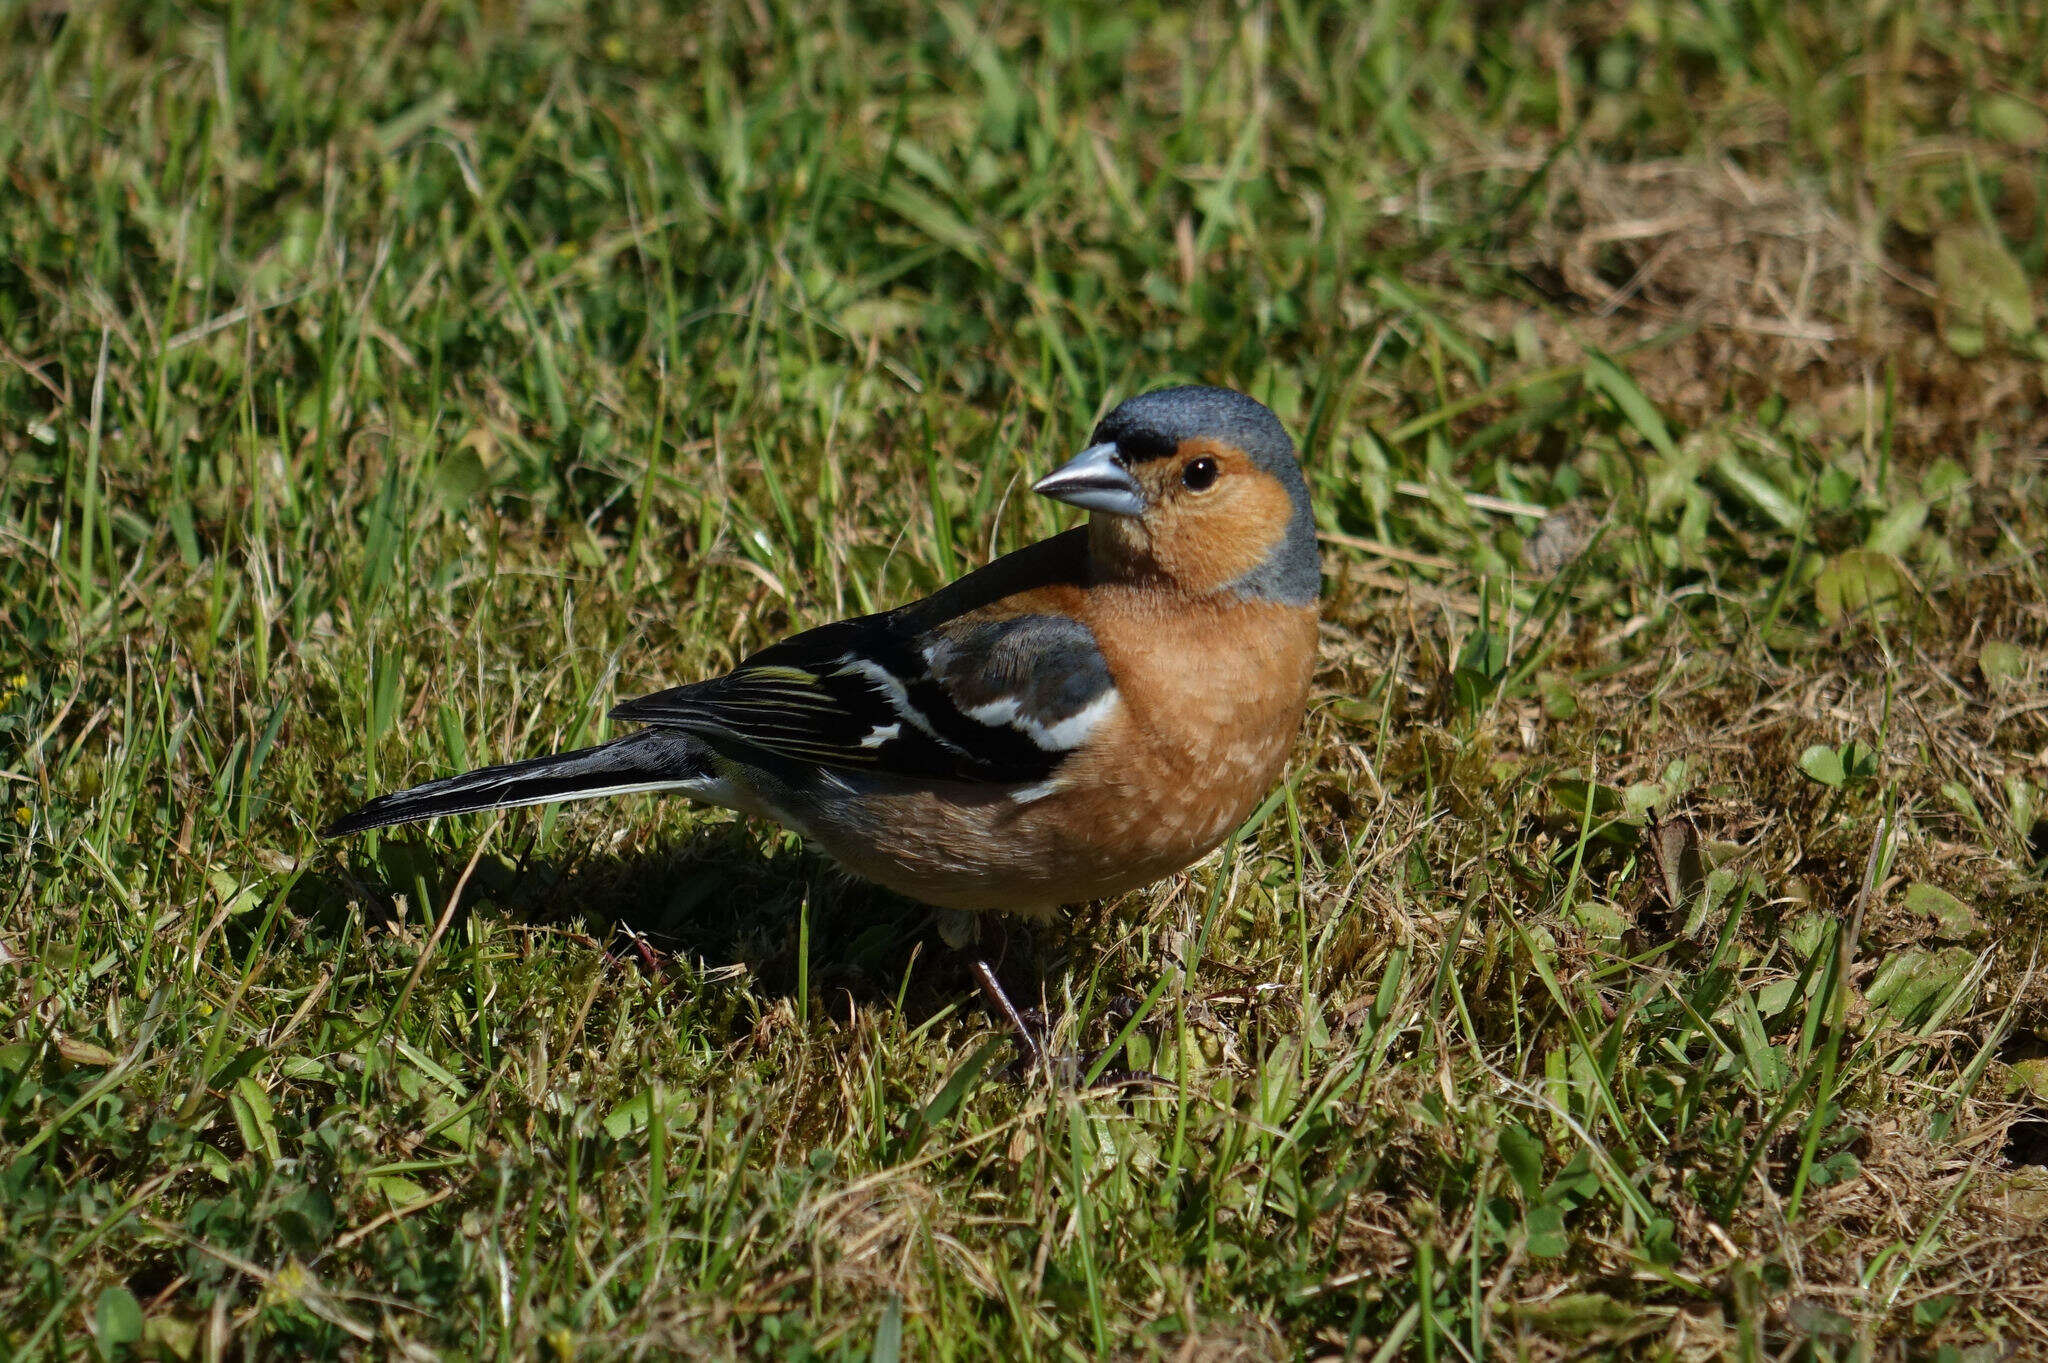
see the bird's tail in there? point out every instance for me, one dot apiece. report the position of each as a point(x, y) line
point(652, 759)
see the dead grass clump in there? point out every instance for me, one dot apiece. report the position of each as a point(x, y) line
point(1243, 1341)
point(1701, 241)
point(1991, 1250)
point(1782, 294)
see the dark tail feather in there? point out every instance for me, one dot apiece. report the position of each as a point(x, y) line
point(652, 759)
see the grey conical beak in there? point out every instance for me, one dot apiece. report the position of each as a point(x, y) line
point(1095, 480)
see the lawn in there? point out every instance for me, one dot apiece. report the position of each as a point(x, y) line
point(1641, 958)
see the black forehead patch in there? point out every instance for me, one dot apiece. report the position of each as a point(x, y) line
point(1141, 446)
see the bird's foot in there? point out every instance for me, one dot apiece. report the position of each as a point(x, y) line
point(637, 947)
point(1068, 1069)
point(1109, 1064)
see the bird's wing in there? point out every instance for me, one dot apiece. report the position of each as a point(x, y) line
point(972, 699)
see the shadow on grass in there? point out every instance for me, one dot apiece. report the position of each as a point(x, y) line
point(713, 899)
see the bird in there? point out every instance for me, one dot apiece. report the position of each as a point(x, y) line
point(1079, 718)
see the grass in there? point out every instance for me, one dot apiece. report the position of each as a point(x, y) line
point(1641, 959)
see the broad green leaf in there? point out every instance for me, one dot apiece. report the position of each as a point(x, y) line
point(1823, 764)
point(1547, 1238)
point(236, 896)
point(1944, 478)
point(1641, 797)
point(1485, 652)
point(1560, 698)
point(1775, 997)
point(1805, 933)
point(1896, 531)
point(459, 477)
point(2029, 1079)
point(1600, 919)
point(1837, 489)
point(1575, 792)
point(1859, 760)
point(1522, 1152)
point(2001, 661)
point(1981, 286)
point(1966, 339)
point(117, 1317)
point(878, 317)
point(2012, 120)
point(1910, 983)
point(251, 1106)
point(1954, 920)
point(399, 1190)
point(1857, 582)
point(1609, 821)
point(170, 1337)
point(629, 1116)
point(1576, 1313)
point(216, 1163)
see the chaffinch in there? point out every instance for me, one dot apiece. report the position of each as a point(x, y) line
point(1076, 719)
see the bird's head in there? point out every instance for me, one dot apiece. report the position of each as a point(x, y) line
point(1200, 486)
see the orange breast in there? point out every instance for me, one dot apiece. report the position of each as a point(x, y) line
point(1210, 699)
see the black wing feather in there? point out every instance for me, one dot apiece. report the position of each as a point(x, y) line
point(965, 701)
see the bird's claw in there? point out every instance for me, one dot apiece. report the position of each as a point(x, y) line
point(1070, 1069)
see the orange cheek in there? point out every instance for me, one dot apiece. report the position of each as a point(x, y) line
point(1205, 543)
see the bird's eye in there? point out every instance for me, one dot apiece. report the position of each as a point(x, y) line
point(1199, 475)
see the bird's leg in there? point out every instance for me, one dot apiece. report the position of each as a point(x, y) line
point(1027, 1040)
point(1032, 1028)
point(961, 931)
